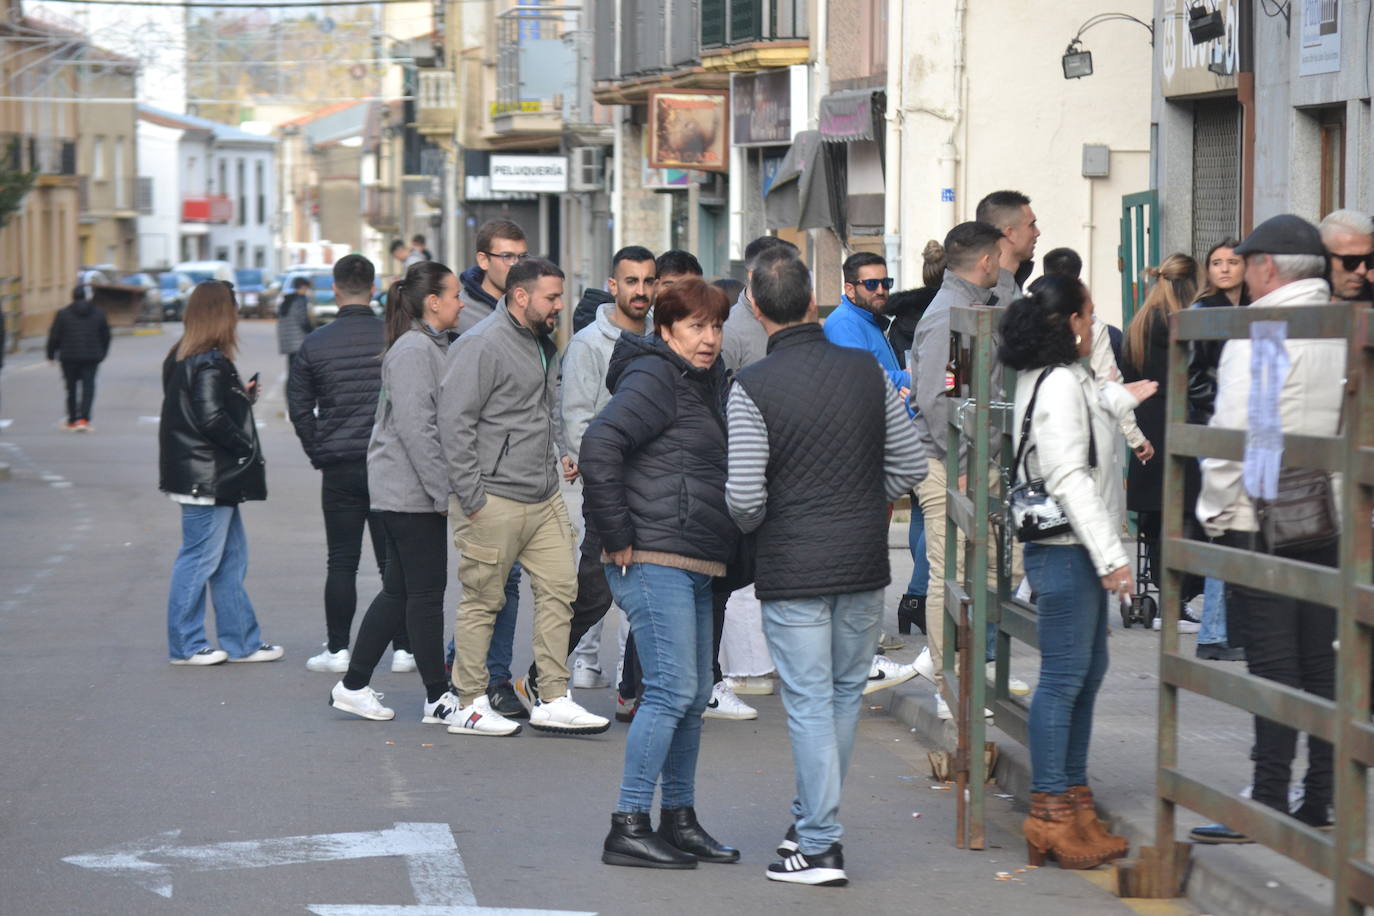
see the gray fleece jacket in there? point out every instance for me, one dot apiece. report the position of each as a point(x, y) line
point(584, 376)
point(498, 417)
point(405, 462)
point(743, 340)
point(930, 349)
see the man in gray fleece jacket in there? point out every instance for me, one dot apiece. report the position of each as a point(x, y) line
point(501, 436)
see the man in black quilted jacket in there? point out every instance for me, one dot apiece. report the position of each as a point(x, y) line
point(331, 396)
point(80, 339)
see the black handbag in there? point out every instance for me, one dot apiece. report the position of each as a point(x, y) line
point(1303, 514)
point(1035, 514)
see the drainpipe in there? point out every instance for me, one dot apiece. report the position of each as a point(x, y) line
point(949, 154)
point(892, 198)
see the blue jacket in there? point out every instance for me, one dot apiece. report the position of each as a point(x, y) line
point(851, 326)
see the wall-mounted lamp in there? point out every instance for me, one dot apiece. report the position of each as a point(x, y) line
point(1077, 62)
point(1204, 26)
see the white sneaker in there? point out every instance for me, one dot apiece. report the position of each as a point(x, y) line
point(756, 686)
point(1015, 686)
point(443, 711)
point(563, 716)
point(1184, 625)
point(365, 702)
point(925, 665)
point(263, 653)
point(206, 656)
point(336, 662)
point(884, 673)
point(725, 705)
point(588, 677)
point(481, 719)
point(402, 662)
point(942, 710)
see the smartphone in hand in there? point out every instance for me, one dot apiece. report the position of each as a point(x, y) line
point(254, 386)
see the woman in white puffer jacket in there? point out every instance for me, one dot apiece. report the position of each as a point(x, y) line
point(1072, 422)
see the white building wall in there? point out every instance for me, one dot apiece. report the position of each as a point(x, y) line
point(986, 107)
point(159, 158)
point(253, 234)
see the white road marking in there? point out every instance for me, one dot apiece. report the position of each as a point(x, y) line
point(60, 484)
point(437, 874)
point(5, 424)
point(153, 420)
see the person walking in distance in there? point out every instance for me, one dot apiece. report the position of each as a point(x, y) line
point(407, 484)
point(499, 426)
point(1011, 214)
point(815, 476)
point(655, 461)
point(583, 394)
point(210, 461)
point(1062, 413)
point(331, 398)
point(80, 338)
point(293, 320)
point(417, 246)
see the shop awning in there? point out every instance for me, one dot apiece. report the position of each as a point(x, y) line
point(802, 194)
point(852, 115)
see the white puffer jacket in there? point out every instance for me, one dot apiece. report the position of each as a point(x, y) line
point(1069, 399)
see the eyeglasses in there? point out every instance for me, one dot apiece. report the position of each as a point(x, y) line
point(510, 257)
point(872, 285)
point(1352, 262)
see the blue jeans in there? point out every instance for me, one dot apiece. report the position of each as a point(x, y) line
point(920, 563)
point(1072, 626)
point(214, 552)
point(823, 648)
point(1213, 629)
point(670, 617)
point(502, 648)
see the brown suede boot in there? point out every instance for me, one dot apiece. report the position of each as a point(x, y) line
point(1051, 830)
point(1085, 813)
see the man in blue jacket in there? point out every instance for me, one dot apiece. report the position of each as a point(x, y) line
point(857, 321)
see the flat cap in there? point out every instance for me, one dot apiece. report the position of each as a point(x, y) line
point(1283, 234)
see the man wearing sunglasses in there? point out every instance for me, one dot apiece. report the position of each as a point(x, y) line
point(1348, 236)
point(858, 320)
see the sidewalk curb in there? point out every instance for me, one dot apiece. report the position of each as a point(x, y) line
point(1220, 880)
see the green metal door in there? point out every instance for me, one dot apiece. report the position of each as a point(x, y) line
point(1139, 248)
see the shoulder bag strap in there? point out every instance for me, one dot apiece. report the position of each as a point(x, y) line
point(1025, 426)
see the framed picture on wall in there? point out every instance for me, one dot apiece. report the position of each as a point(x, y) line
point(689, 130)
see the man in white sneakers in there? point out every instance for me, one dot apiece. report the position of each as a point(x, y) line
point(499, 426)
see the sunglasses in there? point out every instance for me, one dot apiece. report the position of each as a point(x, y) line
point(872, 285)
point(509, 257)
point(1352, 262)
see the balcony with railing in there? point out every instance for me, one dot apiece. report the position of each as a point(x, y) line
point(44, 155)
point(379, 208)
point(753, 34)
point(116, 197)
point(436, 102)
point(537, 62)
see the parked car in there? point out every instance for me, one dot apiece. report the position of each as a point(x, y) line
point(174, 287)
point(151, 310)
point(251, 283)
point(200, 271)
point(323, 308)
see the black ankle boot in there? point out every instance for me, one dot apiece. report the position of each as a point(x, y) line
point(911, 609)
point(679, 827)
point(632, 841)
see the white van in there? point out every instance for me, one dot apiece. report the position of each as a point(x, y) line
point(200, 271)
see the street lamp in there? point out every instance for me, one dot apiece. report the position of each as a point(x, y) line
point(1077, 62)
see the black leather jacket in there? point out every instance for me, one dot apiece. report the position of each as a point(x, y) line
point(207, 440)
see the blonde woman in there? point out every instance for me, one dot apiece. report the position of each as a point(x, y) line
point(210, 461)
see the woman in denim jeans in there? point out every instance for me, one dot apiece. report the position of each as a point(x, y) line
point(654, 467)
point(1073, 573)
point(209, 461)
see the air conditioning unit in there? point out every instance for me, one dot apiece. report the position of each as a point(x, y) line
point(588, 168)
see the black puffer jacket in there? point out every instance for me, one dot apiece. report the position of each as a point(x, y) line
point(207, 440)
point(339, 370)
point(653, 461)
point(79, 333)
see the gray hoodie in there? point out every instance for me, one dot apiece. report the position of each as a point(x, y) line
point(584, 375)
point(930, 350)
point(498, 420)
point(405, 463)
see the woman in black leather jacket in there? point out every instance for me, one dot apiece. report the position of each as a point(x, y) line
point(210, 461)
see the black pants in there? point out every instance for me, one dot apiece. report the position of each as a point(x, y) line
point(344, 499)
point(80, 378)
point(412, 597)
point(1287, 639)
point(632, 678)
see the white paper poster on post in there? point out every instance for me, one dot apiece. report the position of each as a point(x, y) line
point(536, 174)
point(1321, 37)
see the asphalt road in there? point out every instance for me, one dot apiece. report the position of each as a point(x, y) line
point(132, 787)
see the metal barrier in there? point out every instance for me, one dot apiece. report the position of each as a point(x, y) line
point(1345, 722)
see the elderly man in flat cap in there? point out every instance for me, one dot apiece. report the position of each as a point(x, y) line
point(1287, 638)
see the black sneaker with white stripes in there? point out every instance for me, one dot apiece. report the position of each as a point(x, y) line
point(789, 842)
point(821, 868)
